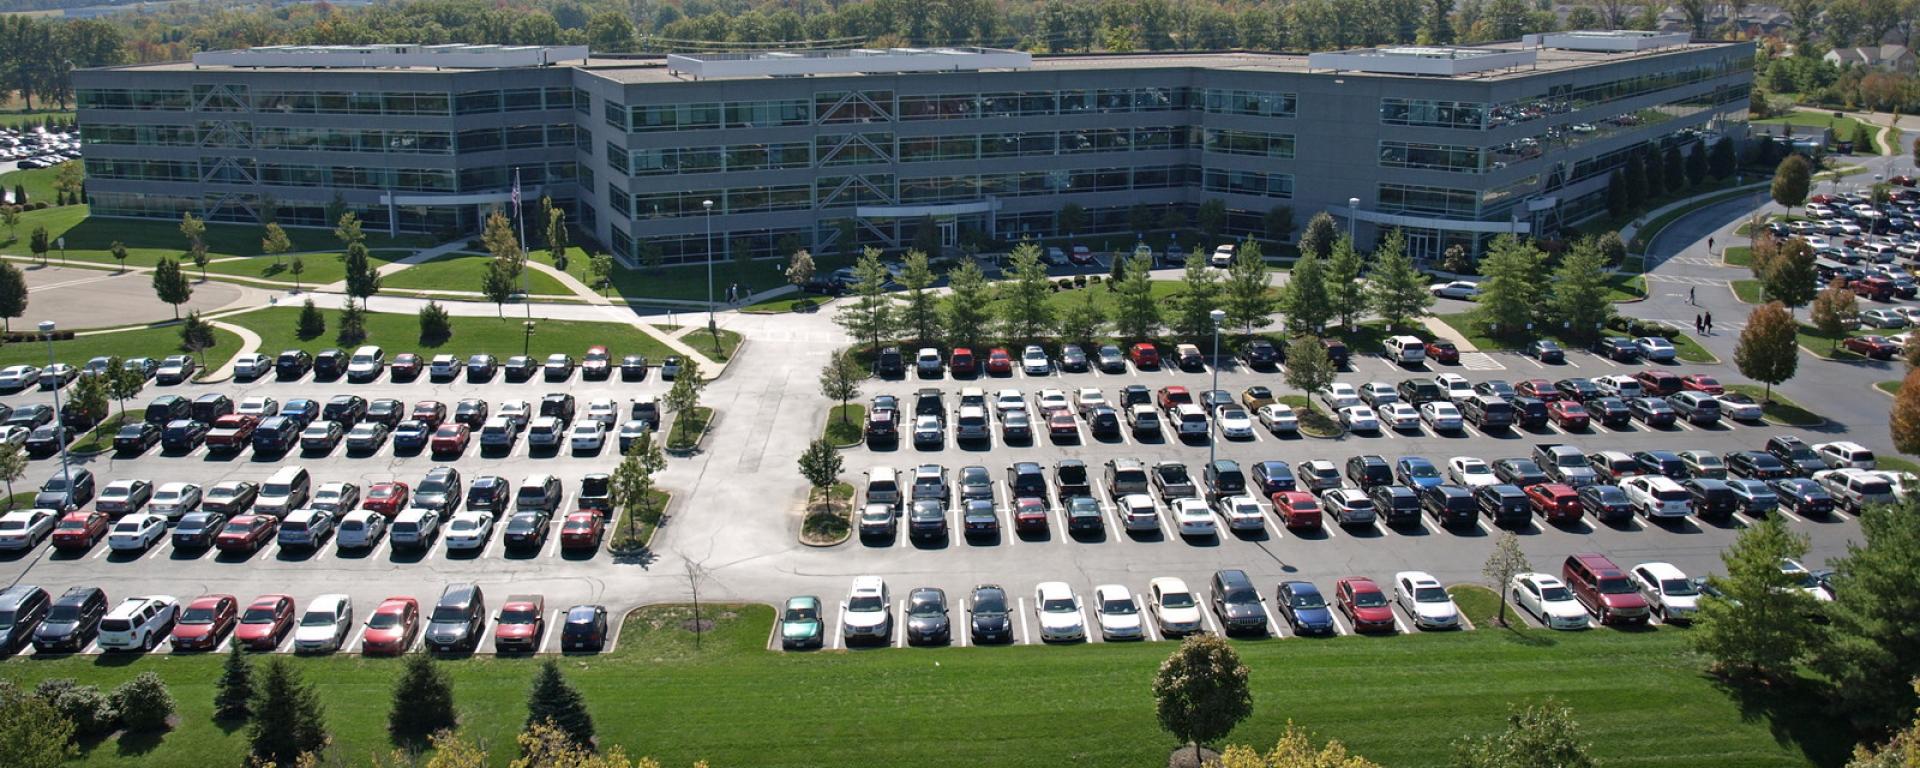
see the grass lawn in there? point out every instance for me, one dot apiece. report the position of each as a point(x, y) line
point(37, 183)
point(463, 272)
point(1737, 256)
point(1626, 287)
point(100, 438)
point(1685, 348)
point(1823, 345)
point(1779, 408)
point(315, 268)
point(21, 500)
point(793, 302)
point(1479, 604)
point(845, 424)
point(1889, 387)
point(503, 338)
point(689, 282)
point(832, 522)
point(704, 343)
point(146, 342)
point(1842, 126)
point(148, 240)
point(688, 426)
point(732, 702)
point(31, 118)
point(636, 532)
point(1313, 421)
point(1896, 464)
point(1749, 291)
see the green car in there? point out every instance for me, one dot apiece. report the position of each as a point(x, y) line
point(800, 625)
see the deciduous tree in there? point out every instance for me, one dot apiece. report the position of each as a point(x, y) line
point(144, 703)
point(1761, 625)
point(32, 733)
point(1791, 181)
point(1543, 734)
point(1309, 369)
point(13, 293)
point(171, 285)
point(39, 243)
point(1212, 218)
point(296, 266)
point(195, 231)
point(601, 266)
point(196, 336)
point(633, 483)
point(1905, 420)
point(840, 380)
point(1503, 563)
point(1768, 351)
point(1278, 223)
point(1720, 160)
point(274, 241)
point(1082, 319)
point(497, 284)
point(799, 267)
point(821, 464)
point(119, 252)
point(1201, 691)
point(1295, 750)
point(363, 281)
point(1073, 218)
point(1834, 310)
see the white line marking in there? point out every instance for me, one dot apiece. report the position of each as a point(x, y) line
point(838, 631)
point(1026, 638)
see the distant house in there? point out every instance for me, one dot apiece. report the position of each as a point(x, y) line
point(1890, 57)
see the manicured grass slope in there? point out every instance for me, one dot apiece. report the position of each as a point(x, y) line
point(146, 342)
point(1400, 701)
point(463, 272)
point(148, 240)
point(501, 337)
point(38, 183)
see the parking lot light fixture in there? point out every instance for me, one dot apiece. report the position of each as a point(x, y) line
point(707, 205)
point(1217, 316)
point(526, 347)
point(66, 467)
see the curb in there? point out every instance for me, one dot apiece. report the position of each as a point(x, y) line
point(647, 546)
point(800, 535)
point(1876, 387)
point(694, 447)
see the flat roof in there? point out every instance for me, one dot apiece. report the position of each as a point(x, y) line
point(848, 61)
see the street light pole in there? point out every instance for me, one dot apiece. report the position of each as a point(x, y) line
point(66, 467)
point(708, 206)
point(1353, 209)
point(1213, 440)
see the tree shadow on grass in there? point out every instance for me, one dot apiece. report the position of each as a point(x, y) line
point(131, 744)
point(1797, 711)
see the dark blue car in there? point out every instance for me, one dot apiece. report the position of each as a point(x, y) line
point(1305, 610)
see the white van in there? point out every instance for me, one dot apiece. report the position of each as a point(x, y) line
point(286, 491)
point(883, 486)
point(1406, 350)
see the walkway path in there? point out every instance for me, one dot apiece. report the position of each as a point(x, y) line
point(418, 257)
point(572, 283)
point(249, 345)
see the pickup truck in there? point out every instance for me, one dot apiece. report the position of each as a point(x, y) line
point(232, 432)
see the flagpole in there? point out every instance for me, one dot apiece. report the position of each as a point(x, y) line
point(520, 223)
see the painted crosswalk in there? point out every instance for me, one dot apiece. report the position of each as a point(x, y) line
point(1698, 261)
point(1480, 361)
point(1684, 280)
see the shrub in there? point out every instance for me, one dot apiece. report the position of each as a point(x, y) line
point(436, 327)
point(1079, 281)
point(144, 703)
point(1065, 283)
point(90, 711)
point(1096, 279)
point(39, 205)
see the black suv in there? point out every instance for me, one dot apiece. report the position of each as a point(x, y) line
point(1449, 504)
point(1237, 603)
point(890, 364)
point(1506, 505)
point(558, 405)
point(1419, 391)
point(1223, 478)
point(1398, 504)
point(1796, 454)
point(329, 364)
point(166, 408)
point(1369, 471)
point(1260, 354)
point(292, 364)
point(72, 622)
point(458, 620)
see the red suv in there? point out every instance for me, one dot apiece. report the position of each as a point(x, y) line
point(1174, 396)
point(962, 363)
point(999, 363)
point(1658, 383)
point(1144, 355)
point(1557, 502)
point(1604, 589)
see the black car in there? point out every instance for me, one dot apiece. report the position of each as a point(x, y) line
point(412, 435)
point(1027, 479)
point(492, 493)
point(520, 368)
point(472, 412)
point(1505, 504)
point(585, 629)
point(1616, 348)
point(926, 614)
point(292, 364)
point(458, 620)
point(1369, 471)
point(633, 367)
point(1611, 412)
point(1103, 422)
point(1259, 354)
point(890, 364)
point(1802, 496)
point(1073, 359)
point(276, 435)
point(1135, 394)
point(45, 440)
point(1449, 505)
point(1653, 412)
point(1419, 391)
point(182, 435)
point(1083, 516)
point(136, 438)
point(988, 613)
point(527, 529)
point(926, 520)
point(329, 364)
point(441, 491)
point(1546, 351)
point(345, 409)
point(72, 622)
point(1606, 503)
point(385, 410)
point(1712, 499)
point(1236, 602)
point(1272, 477)
point(1755, 465)
point(301, 410)
point(1397, 504)
point(22, 608)
point(197, 530)
point(1579, 389)
point(1520, 472)
point(1661, 463)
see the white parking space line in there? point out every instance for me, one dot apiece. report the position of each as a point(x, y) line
point(104, 549)
point(960, 628)
point(1340, 628)
point(1789, 515)
point(1160, 519)
point(1402, 627)
point(1091, 632)
point(1273, 621)
point(380, 548)
point(900, 632)
point(1020, 604)
point(353, 646)
point(1534, 362)
point(1106, 507)
point(1212, 626)
point(1152, 627)
point(154, 552)
point(1331, 529)
point(1272, 525)
point(838, 631)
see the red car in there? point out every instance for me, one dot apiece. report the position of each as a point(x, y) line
point(247, 533)
point(523, 621)
point(1144, 356)
point(387, 498)
point(1557, 502)
point(433, 412)
point(232, 432)
point(405, 366)
point(392, 627)
point(962, 362)
point(598, 363)
point(1030, 515)
point(1701, 382)
point(1538, 389)
point(1905, 181)
point(1061, 426)
point(265, 623)
point(999, 363)
point(205, 622)
point(582, 531)
point(1443, 352)
point(1876, 347)
point(451, 438)
point(1297, 508)
point(1364, 604)
point(1172, 396)
point(1569, 414)
point(80, 530)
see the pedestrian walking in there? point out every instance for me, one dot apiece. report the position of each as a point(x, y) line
point(1709, 323)
point(1690, 296)
point(1709, 245)
point(1698, 325)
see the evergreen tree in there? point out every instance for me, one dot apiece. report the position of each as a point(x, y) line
point(1319, 236)
point(1656, 170)
point(1199, 297)
point(233, 695)
point(1761, 627)
point(967, 309)
point(1304, 302)
point(1245, 296)
point(1635, 174)
point(1871, 652)
point(921, 310)
point(436, 327)
point(288, 720)
point(1513, 286)
point(1720, 160)
point(1073, 218)
point(1345, 291)
point(171, 285)
point(870, 315)
point(1212, 218)
point(554, 700)
point(310, 323)
point(1618, 200)
point(422, 701)
point(353, 325)
point(1696, 163)
point(1279, 223)
point(363, 281)
point(39, 242)
point(1137, 314)
point(1397, 292)
point(1580, 291)
point(1673, 169)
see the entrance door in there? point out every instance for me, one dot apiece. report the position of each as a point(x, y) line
point(1423, 245)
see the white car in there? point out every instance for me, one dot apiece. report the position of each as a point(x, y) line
point(174, 500)
point(138, 623)
point(1359, 418)
point(1804, 580)
point(1399, 416)
point(1034, 361)
point(1458, 289)
point(1242, 513)
point(307, 528)
point(414, 527)
point(1454, 386)
point(1137, 512)
point(604, 411)
point(258, 406)
point(1234, 422)
point(135, 533)
point(1278, 418)
point(324, 627)
point(1845, 454)
point(1339, 395)
point(1058, 613)
point(469, 530)
point(1620, 386)
point(26, 528)
point(868, 614)
point(337, 498)
point(1422, 597)
point(1657, 496)
point(1901, 481)
point(252, 366)
point(1348, 506)
point(14, 435)
point(1655, 349)
point(1470, 472)
point(1668, 591)
point(1047, 401)
point(1548, 600)
point(1192, 518)
point(587, 435)
point(1441, 416)
point(1117, 613)
point(516, 411)
point(1088, 398)
point(928, 430)
point(14, 378)
point(366, 363)
point(360, 529)
point(1378, 393)
point(1739, 411)
point(1008, 400)
point(443, 367)
point(1173, 606)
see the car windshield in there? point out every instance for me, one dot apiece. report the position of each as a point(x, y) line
point(866, 603)
point(1119, 608)
point(802, 613)
point(465, 524)
point(449, 614)
point(257, 616)
point(1369, 600)
point(384, 620)
point(316, 619)
point(1308, 600)
point(1678, 587)
point(197, 616)
point(1555, 594)
point(1177, 600)
point(1430, 595)
point(63, 613)
point(1803, 579)
point(1057, 605)
point(522, 615)
point(1422, 470)
point(1616, 585)
point(927, 609)
point(71, 524)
